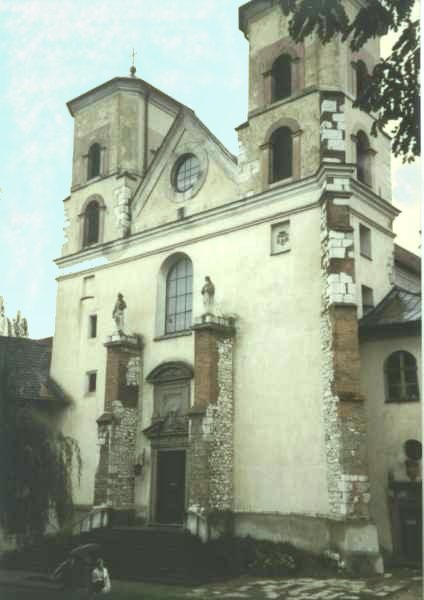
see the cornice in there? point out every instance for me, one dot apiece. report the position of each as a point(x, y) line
point(313, 185)
point(126, 84)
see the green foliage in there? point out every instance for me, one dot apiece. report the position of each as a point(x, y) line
point(393, 92)
point(234, 556)
point(36, 463)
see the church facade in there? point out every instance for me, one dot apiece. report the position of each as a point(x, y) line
point(239, 335)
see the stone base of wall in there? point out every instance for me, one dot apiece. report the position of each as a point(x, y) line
point(356, 542)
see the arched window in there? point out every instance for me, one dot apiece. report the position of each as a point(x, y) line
point(179, 295)
point(282, 77)
point(91, 223)
point(363, 158)
point(281, 154)
point(93, 167)
point(362, 78)
point(401, 379)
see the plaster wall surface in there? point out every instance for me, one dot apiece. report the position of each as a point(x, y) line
point(159, 204)
point(106, 188)
point(253, 163)
point(96, 123)
point(374, 272)
point(117, 122)
point(277, 324)
point(357, 120)
point(389, 425)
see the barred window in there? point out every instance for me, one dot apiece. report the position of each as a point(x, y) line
point(187, 172)
point(179, 295)
point(401, 377)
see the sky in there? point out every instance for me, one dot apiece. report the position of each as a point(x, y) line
point(52, 51)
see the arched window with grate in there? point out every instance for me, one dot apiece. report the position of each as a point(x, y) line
point(93, 165)
point(281, 148)
point(91, 223)
point(179, 296)
point(363, 158)
point(400, 371)
point(282, 77)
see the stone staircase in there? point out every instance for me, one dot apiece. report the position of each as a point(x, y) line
point(151, 554)
point(154, 554)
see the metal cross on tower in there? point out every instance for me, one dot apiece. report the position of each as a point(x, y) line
point(133, 68)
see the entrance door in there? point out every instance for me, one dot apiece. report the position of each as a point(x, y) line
point(170, 486)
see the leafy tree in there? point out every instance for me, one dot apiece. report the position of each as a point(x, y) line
point(36, 464)
point(393, 92)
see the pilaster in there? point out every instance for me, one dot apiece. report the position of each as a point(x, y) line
point(343, 407)
point(212, 418)
point(117, 426)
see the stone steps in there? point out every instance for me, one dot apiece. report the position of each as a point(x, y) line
point(162, 555)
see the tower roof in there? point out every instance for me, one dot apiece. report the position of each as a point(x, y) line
point(129, 84)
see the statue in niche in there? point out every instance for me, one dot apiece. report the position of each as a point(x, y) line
point(4, 325)
point(118, 314)
point(208, 294)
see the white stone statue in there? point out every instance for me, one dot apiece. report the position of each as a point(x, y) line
point(208, 293)
point(24, 327)
point(122, 210)
point(118, 314)
point(20, 326)
point(4, 326)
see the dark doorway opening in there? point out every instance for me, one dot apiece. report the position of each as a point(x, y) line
point(171, 467)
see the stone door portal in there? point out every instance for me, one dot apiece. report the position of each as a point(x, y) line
point(170, 496)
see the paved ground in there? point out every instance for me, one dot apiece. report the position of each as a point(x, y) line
point(315, 589)
point(403, 585)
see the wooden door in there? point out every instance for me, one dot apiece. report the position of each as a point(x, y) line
point(171, 486)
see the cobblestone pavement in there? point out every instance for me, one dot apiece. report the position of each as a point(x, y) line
point(409, 588)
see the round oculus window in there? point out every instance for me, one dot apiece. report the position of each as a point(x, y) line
point(187, 172)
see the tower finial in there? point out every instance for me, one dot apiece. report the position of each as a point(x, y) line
point(133, 68)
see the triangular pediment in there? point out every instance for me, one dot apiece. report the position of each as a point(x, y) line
point(158, 200)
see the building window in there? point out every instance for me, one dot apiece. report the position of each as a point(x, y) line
point(93, 164)
point(367, 299)
point(401, 378)
point(281, 154)
point(363, 158)
point(179, 294)
point(187, 172)
point(365, 241)
point(93, 326)
point(362, 78)
point(91, 382)
point(281, 78)
point(91, 223)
